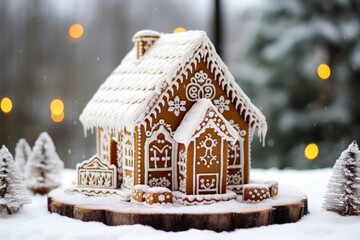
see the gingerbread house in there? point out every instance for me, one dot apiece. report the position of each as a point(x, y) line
point(171, 115)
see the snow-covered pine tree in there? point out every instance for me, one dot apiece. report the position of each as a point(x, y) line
point(13, 194)
point(22, 154)
point(343, 194)
point(280, 49)
point(43, 170)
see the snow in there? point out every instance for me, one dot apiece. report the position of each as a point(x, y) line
point(35, 222)
point(185, 199)
point(140, 187)
point(158, 190)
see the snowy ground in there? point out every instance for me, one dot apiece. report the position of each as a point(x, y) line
point(35, 222)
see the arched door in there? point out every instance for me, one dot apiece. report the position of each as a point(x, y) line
point(160, 159)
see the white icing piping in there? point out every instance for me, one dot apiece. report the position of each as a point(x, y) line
point(150, 106)
point(216, 65)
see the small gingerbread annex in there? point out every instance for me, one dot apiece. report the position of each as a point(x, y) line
point(171, 115)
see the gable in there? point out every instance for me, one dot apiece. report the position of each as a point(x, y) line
point(197, 80)
point(203, 115)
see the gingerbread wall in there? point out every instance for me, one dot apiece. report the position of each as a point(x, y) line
point(118, 148)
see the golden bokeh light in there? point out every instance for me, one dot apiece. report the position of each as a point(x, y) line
point(311, 151)
point(324, 71)
point(179, 29)
point(56, 106)
point(76, 31)
point(58, 118)
point(6, 105)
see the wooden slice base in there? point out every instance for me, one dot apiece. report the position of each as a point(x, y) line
point(224, 216)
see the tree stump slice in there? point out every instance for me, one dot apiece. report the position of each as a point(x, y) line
point(223, 216)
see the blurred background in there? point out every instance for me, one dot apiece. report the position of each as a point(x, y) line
point(298, 60)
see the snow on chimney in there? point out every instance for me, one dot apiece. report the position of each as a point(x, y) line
point(144, 40)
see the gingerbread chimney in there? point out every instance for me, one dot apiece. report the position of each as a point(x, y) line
point(144, 40)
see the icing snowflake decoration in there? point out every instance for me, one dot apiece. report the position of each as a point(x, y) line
point(161, 198)
point(159, 182)
point(222, 104)
point(234, 179)
point(200, 86)
point(177, 106)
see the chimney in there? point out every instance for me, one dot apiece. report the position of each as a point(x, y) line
point(144, 40)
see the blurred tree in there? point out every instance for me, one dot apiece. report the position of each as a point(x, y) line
point(22, 154)
point(44, 168)
point(39, 61)
point(284, 43)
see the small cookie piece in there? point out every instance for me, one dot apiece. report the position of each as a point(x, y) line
point(138, 192)
point(255, 192)
point(158, 195)
point(273, 186)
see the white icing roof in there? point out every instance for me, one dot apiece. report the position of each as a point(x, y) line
point(132, 90)
point(193, 118)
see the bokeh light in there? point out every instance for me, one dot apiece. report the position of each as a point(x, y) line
point(56, 106)
point(324, 71)
point(57, 110)
point(179, 29)
point(76, 31)
point(311, 151)
point(58, 118)
point(6, 105)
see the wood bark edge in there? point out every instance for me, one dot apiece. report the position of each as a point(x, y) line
point(218, 222)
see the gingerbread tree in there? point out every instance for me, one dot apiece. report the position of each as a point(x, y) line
point(12, 190)
point(22, 154)
point(343, 194)
point(43, 171)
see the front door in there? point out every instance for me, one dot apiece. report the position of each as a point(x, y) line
point(209, 165)
point(160, 169)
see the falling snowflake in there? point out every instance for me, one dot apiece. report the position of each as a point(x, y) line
point(177, 106)
point(222, 104)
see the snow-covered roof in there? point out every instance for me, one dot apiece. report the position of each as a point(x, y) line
point(193, 119)
point(134, 89)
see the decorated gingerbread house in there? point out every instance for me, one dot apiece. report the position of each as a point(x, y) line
point(171, 115)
